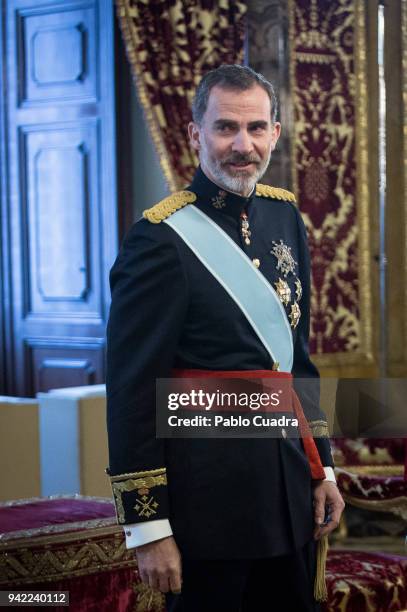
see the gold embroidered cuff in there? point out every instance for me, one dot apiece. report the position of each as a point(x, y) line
point(133, 497)
point(319, 429)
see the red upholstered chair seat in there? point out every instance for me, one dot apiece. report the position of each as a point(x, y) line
point(366, 582)
point(71, 543)
point(380, 488)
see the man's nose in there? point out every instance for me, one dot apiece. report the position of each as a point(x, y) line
point(242, 142)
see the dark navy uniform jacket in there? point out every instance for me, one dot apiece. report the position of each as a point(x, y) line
point(225, 498)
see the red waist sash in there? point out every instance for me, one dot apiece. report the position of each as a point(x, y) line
point(311, 451)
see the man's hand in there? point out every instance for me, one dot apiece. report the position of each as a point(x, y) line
point(326, 495)
point(159, 565)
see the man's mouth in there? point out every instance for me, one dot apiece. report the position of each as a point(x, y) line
point(242, 165)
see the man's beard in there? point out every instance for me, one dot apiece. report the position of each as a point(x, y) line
point(241, 181)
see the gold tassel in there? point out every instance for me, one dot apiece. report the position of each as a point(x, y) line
point(320, 590)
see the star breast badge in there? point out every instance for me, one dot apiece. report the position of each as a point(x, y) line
point(285, 261)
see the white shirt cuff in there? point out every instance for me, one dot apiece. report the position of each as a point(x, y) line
point(329, 474)
point(138, 534)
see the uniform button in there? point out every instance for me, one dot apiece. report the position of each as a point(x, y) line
point(283, 433)
point(128, 533)
point(256, 262)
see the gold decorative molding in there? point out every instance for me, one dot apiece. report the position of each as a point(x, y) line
point(397, 505)
point(374, 470)
point(362, 194)
point(22, 502)
point(60, 556)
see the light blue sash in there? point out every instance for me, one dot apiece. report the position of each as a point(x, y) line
point(234, 270)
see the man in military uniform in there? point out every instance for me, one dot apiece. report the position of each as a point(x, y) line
point(218, 524)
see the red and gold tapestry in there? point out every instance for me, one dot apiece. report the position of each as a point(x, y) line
point(170, 45)
point(330, 170)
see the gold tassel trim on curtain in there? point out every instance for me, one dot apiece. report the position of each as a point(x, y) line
point(125, 16)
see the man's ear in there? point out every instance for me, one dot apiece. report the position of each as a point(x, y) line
point(194, 134)
point(276, 131)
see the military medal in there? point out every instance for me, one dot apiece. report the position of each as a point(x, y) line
point(246, 233)
point(283, 291)
point(285, 261)
point(298, 289)
point(295, 315)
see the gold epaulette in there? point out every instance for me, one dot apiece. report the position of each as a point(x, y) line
point(168, 206)
point(266, 191)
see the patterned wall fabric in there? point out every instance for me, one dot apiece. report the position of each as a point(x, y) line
point(170, 45)
point(326, 173)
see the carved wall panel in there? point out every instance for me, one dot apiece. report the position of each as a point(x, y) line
point(64, 364)
point(60, 207)
point(57, 51)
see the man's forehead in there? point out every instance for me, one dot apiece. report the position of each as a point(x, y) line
point(229, 102)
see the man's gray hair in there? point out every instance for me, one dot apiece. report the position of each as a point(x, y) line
point(232, 77)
